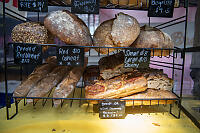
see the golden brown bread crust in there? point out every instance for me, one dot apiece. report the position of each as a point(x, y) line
point(117, 87)
point(68, 27)
point(118, 32)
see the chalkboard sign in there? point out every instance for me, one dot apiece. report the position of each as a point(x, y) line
point(33, 5)
point(85, 6)
point(70, 56)
point(137, 58)
point(161, 8)
point(27, 53)
point(112, 109)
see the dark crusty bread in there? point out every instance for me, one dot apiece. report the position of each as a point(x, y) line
point(120, 31)
point(91, 74)
point(68, 27)
point(151, 37)
point(113, 65)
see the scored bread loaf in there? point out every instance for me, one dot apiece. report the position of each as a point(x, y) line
point(117, 87)
point(120, 31)
point(31, 32)
point(151, 37)
point(39, 73)
point(68, 27)
point(67, 85)
point(45, 85)
point(113, 65)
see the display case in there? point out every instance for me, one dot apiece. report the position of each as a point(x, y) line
point(160, 58)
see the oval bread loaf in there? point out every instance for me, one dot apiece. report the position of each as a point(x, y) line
point(120, 31)
point(68, 27)
point(151, 37)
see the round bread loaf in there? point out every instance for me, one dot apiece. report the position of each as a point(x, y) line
point(102, 37)
point(31, 32)
point(121, 31)
point(68, 27)
point(151, 37)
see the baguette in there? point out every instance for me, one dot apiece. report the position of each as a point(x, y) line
point(67, 85)
point(45, 85)
point(38, 74)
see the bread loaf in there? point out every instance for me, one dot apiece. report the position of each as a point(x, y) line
point(68, 27)
point(45, 85)
point(150, 37)
point(113, 65)
point(31, 32)
point(91, 74)
point(117, 87)
point(118, 32)
point(67, 85)
point(38, 74)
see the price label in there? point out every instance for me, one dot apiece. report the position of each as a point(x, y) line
point(137, 58)
point(85, 6)
point(70, 56)
point(112, 109)
point(27, 53)
point(33, 5)
point(161, 8)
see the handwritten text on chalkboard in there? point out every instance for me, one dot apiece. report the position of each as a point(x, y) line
point(70, 56)
point(112, 109)
point(27, 53)
point(85, 6)
point(137, 58)
point(33, 5)
point(161, 8)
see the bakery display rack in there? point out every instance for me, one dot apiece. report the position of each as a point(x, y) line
point(169, 62)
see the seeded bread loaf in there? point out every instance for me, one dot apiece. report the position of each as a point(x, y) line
point(68, 27)
point(31, 32)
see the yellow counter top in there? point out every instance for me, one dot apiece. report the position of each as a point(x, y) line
point(77, 119)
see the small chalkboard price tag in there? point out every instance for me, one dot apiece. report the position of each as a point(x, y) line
point(85, 6)
point(161, 8)
point(137, 58)
point(112, 109)
point(27, 53)
point(33, 5)
point(70, 56)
